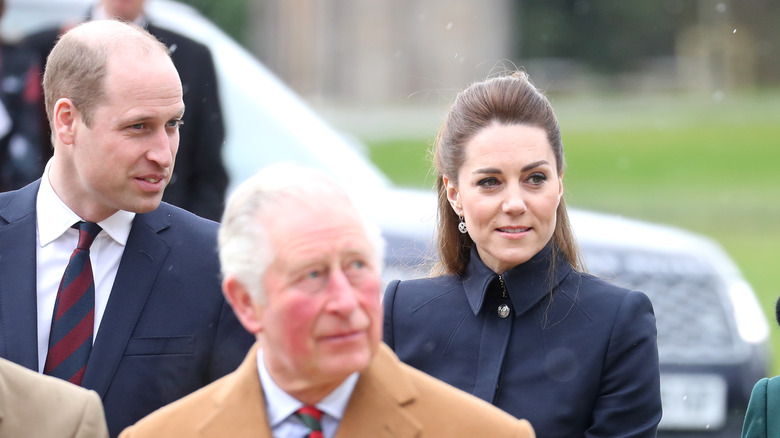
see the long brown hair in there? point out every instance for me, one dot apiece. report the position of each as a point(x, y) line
point(509, 100)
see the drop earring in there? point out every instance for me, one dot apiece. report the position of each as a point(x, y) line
point(462, 226)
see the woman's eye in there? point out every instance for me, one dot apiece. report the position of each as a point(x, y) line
point(487, 182)
point(537, 179)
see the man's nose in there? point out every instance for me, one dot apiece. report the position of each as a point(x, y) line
point(161, 148)
point(342, 296)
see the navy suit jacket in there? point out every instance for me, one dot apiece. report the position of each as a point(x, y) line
point(580, 362)
point(167, 329)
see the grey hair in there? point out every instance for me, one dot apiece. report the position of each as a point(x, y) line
point(244, 249)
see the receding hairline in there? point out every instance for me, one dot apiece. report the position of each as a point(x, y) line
point(112, 37)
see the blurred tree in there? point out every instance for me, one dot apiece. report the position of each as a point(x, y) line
point(229, 15)
point(608, 36)
point(758, 18)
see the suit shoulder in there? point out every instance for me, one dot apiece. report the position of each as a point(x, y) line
point(33, 395)
point(180, 216)
point(590, 289)
point(183, 232)
point(181, 418)
point(437, 407)
point(439, 402)
point(429, 286)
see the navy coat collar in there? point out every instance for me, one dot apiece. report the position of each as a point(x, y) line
point(527, 283)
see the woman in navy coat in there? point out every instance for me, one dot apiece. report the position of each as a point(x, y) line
point(511, 317)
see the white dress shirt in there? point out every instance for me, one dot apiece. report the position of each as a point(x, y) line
point(56, 241)
point(281, 406)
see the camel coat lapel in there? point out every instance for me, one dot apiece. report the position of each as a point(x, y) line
point(376, 407)
point(237, 408)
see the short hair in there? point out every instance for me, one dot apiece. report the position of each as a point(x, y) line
point(77, 66)
point(244, 249)
point(506, 100)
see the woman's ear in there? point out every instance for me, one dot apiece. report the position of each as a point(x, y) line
point(560, 186)
point(453, 195)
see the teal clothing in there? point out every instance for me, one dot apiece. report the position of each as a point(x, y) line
point(762, 419)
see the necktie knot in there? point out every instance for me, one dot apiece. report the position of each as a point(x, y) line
point(87, 233)
point(311, 417)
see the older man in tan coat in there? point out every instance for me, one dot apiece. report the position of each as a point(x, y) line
point(34, 405)
point(302, 272)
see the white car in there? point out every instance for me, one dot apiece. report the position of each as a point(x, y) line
point(712, 334)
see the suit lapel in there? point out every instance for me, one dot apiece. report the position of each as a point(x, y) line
point(239, 407)
point(18, 302)
point(141, 262)
point(376, 407)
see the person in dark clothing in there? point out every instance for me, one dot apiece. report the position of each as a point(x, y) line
point(20, 117)
point(200, 179)
point(511, 317)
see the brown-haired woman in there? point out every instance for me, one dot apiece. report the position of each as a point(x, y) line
point(510, 316)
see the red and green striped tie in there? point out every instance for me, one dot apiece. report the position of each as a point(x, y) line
point(311, 417)
point(70, 340)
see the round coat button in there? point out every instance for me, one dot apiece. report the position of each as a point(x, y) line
point(503, 311)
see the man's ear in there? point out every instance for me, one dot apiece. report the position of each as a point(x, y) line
point(453, 195)
point(65, 117)
point(247, 311)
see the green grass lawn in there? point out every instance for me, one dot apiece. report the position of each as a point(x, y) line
point(705, 164)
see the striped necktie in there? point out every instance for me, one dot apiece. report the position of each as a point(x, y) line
point(70, 340)
point(311, 417)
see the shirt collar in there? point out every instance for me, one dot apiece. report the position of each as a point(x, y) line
point(280, 405)
point(54, 217)
point(527, 283)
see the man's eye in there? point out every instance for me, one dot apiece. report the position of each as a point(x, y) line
point(175, 123)
point(137, 126)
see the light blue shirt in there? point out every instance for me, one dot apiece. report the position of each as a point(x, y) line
point(281, 406)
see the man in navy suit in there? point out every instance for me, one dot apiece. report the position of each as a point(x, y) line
point(200, 179)
point(162, 328)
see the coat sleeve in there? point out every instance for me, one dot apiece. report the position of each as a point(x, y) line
point(209, 179)
point(755, 425)
point(629, 398)
point(387, 302)
point(93, 420)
